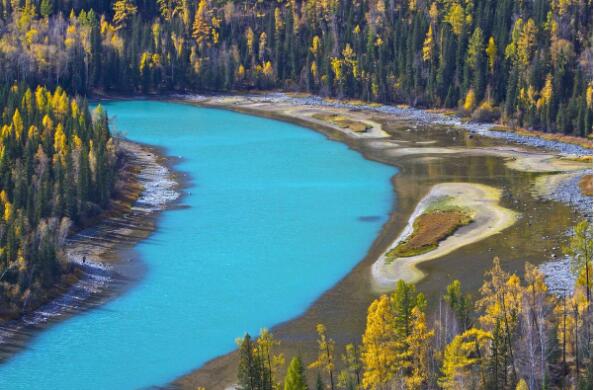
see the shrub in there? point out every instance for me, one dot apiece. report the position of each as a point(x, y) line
point(486, 112)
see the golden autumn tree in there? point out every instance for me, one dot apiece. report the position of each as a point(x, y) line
point(428, 45)
point(455, 18)
point(463, 360)
point(123, 10)
point(491, 51)
point(522, 385)
point(380, 347)
point(501, 304)
point(325, 360)
point(418, 351)
point(201, 27)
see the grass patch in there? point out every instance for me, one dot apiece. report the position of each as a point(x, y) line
point(439, 221)
point(343, 122)
point(586, 185)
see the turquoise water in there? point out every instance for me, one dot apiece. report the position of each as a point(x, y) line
point(273, 221)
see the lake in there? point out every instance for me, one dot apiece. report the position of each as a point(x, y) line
point(276, 215)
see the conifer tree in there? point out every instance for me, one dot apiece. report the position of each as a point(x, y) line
point(247, 374)
point(295, 378)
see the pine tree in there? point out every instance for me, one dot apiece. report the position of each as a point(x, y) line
point(320, 382)
point(46, 8)
point(248, 371)
point(460, 304)
point(295, 378)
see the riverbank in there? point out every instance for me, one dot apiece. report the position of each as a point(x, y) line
point(429, 149)
point(102, 256)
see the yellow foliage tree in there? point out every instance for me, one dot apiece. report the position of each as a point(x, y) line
point(17, 124)
point(522, 385)
point(428, 45)
point(463, 359)
point(491, 51)
point(546, 92)
point(200, 27)
point(433, 13)
point(315, 45)
point(123, 10)
point(469, 100)
point(418, 343)
point(336, 65)
point(325, 360)
point(278, 20)
point(455, 18)
point(249, 38)
point(379, 353)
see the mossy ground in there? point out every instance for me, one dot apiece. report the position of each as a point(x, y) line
point(439, 220)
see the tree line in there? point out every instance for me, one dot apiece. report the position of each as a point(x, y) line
point(515, 335)
point(528, 62)
point(57, 163)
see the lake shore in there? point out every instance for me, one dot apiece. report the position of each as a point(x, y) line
point(389, 137)
point(102, 254)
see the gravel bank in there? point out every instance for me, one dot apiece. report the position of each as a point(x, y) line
point(415, 114)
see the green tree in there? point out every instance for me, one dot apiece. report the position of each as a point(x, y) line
point(248, 373)
point(295, 378)
point(460, 303)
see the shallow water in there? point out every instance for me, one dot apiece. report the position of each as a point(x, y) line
point(277, 214)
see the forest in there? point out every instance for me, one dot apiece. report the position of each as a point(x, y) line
point(57, 163)
point(526, 63)
point(514, 335)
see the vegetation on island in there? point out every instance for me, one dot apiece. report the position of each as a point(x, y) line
point(438, 221)
point(57, 166)
point(528, 62)
point(343, 122)
point(514, 335)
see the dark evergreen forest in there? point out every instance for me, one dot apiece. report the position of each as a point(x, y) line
point(528, 62)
